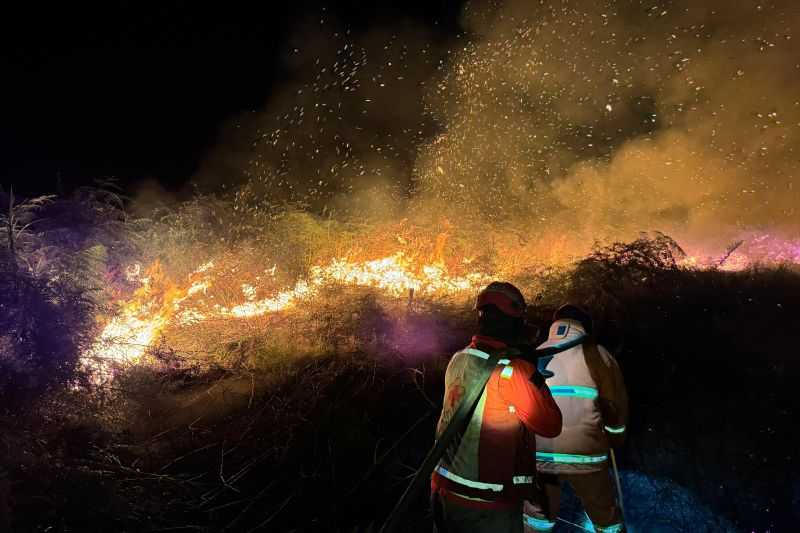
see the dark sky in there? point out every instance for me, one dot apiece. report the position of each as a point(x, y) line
point(139, 90)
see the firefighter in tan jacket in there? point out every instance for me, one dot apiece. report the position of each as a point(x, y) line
point(587, 385)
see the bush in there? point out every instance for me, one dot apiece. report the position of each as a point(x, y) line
point(55, 266)
point(704, 354)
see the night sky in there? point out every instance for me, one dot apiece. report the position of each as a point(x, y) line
point(133, 91)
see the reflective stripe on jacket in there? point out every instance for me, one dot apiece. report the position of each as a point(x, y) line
point(588, 387)
point(490, 464)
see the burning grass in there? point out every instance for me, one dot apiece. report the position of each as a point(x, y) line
point(200, 294)
point(287, 375)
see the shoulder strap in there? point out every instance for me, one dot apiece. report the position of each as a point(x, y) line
point(460, 419)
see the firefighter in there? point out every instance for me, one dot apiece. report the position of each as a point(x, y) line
point(486, 473)
point(587, 385)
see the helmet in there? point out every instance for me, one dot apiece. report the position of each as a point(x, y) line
point(503, 295)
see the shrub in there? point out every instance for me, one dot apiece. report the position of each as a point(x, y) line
point(56, 256)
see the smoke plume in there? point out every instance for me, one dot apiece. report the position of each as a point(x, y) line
point(586, 121)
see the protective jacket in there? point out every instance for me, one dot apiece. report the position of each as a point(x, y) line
point(588, 387)
point(490, 464)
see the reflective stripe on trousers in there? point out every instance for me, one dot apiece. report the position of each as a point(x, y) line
point(613, 528)
point(544, 525)
point(537, 524)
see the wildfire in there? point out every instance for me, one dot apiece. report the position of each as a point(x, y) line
point(158, 303)
point(143, 317)
point(394, 275)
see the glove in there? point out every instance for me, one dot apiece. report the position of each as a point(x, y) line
point(541, 366)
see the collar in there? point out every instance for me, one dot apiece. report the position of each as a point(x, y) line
point(491, 342)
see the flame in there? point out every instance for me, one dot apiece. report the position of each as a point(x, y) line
point(394, 275)
point(140, 319)
point(158, 303)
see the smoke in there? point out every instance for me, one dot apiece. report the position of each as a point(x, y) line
point(340, 135)
point(591, 121)
point(606, 119)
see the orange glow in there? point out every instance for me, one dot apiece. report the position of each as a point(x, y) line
point(140, 319)
point(221, 290)
point(158, 302)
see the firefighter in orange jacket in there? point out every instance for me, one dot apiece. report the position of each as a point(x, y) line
point(486, 473)
point(588, 387)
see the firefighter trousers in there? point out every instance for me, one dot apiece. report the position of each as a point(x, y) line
point(594, 489)
point(449, 517)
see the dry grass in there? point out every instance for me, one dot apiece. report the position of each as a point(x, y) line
point(314, 418)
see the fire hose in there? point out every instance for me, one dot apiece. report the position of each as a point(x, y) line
point(619, 485)
point(457, 424)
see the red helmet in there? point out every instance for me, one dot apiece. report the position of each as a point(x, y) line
point(503, 295)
